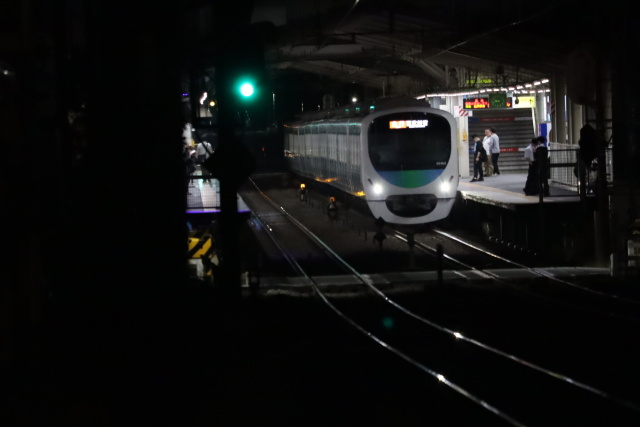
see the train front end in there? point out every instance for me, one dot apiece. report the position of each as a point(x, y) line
point(410, 164)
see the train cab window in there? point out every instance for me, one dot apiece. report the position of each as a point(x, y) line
point(409, 141)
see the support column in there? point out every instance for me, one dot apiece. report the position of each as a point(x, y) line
point(576, 122)
point(541, 108)
point(558, 93)
point(625, 194)
point(464, 139)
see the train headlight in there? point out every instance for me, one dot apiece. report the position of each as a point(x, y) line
point(377, 189)
point(445, 187)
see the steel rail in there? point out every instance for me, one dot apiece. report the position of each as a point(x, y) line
point(441, 378)
point(536, 271)
point(455, 334)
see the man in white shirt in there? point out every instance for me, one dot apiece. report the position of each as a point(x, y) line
point(488, 164)
point(529, 152)
point(203, 151)
point(494, 148)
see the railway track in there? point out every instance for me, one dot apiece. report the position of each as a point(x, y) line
point(551, 289)
point(482, 372)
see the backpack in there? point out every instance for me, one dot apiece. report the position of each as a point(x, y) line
point(483, 154)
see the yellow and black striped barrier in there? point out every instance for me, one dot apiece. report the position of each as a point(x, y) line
point(201, 248)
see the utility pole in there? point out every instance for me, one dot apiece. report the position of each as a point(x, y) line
point(238, 70)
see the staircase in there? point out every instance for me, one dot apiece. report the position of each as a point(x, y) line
point(515, 128)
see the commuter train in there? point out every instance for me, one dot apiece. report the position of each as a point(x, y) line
point(401, 159)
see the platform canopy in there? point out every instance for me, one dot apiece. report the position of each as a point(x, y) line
point(408, 47)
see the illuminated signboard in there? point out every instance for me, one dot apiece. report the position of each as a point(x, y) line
point(476, 103)
point(493, 101)
point(408, 124)
point(498, 100)
point(479, 81)
point(525, 102)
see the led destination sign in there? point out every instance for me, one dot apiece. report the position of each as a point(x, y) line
point(476, 103)
point(493, 101)
point(408, 124)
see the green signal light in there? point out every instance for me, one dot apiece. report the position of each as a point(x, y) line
point(246, 89)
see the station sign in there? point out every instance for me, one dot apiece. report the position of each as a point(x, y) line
point(525, 102)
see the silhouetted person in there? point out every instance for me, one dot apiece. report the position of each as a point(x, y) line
point(203, 152)
point(332, 209)
point(532, 185)
point(479, 156)
point(544, 164)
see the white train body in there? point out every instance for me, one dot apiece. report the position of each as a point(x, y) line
point(402, 161)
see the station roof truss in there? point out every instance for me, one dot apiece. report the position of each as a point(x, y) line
point(429, 45)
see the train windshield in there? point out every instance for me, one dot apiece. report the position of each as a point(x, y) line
point(409, 141)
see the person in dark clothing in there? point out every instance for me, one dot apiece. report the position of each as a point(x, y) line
point(532, 185)
point(543, 155)
point(332, 209)
point(479, 157)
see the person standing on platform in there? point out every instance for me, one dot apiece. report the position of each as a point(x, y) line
point(532, 185)
point(488, 165)
point(479, 156)
point(494, 148)
point(545, 165)
point(203, 151)
point(332, 209)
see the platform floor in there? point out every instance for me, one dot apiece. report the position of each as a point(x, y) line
point(507, 190)
point(203, 196)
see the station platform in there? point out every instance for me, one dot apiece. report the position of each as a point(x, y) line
point(203, 196)
point(506, 191)
point(552, 227)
